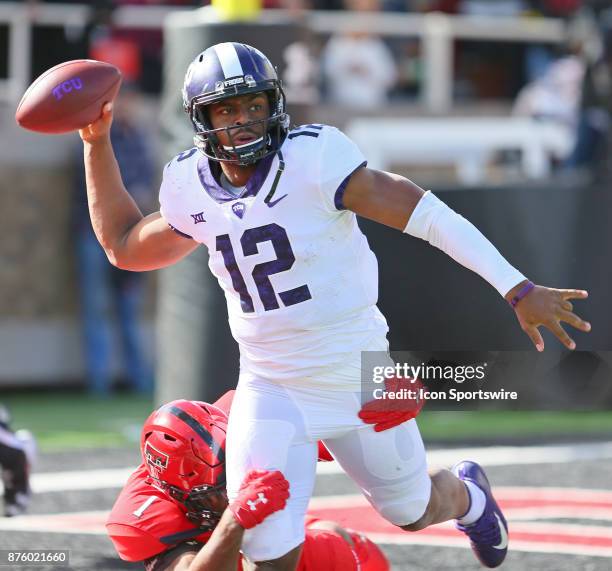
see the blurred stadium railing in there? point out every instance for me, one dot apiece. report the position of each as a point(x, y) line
point(437, 33)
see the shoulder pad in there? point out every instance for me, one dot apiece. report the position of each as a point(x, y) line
point(145, 522)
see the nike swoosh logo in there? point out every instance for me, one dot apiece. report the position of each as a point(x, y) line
point(503, 544)
point(275, 202)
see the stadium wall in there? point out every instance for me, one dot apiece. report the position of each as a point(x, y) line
point(557, 235)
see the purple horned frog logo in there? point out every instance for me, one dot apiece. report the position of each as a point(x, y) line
point(238, 209)
point(65, 87)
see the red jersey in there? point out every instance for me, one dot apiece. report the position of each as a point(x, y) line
point(145, 525)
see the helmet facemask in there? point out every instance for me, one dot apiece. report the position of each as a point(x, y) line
point(271, 128)
point(204, 504)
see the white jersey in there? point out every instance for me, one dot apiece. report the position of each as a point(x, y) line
point(300, 280)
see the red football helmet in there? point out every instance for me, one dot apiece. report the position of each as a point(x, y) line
point(183, 449)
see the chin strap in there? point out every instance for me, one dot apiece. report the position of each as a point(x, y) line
point(279, 172)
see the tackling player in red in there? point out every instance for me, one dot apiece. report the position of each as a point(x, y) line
point(173, 513)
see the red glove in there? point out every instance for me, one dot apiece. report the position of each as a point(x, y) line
point(387, 413)
point(323, 454)
point(262, 493)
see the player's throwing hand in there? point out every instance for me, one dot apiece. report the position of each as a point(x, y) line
point(549, 307)
point(99, 128)
point(262, 493)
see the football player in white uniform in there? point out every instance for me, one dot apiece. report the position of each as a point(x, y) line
point(276, 208)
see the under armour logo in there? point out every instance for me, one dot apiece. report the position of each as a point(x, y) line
point(261, 499)
point(197, 218)
point(238, 209)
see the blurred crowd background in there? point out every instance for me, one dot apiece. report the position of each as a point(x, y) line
point(523, 86)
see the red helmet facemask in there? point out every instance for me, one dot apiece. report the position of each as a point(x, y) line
point(183, 449)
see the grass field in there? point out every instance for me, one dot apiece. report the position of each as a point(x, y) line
point(506, 424)
point(65, 420)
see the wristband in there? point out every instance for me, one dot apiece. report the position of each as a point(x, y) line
point(522, 293)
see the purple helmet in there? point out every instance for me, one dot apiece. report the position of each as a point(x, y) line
point(227, 70)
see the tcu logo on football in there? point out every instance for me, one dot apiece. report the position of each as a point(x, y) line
point(67, 87)
point(261, 499)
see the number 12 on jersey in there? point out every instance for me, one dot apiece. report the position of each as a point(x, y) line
point(285, 259)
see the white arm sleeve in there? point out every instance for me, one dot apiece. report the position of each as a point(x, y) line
point(442, 227)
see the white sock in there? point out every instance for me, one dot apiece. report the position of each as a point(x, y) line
point(477, 504)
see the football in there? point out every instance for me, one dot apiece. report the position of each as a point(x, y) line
point(68, 96)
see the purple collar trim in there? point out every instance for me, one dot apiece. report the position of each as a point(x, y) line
point(219, 194)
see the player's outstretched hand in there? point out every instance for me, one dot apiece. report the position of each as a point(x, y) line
point(262, 493)
point(549, 307)
point(100, 128)
point(386, 413)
